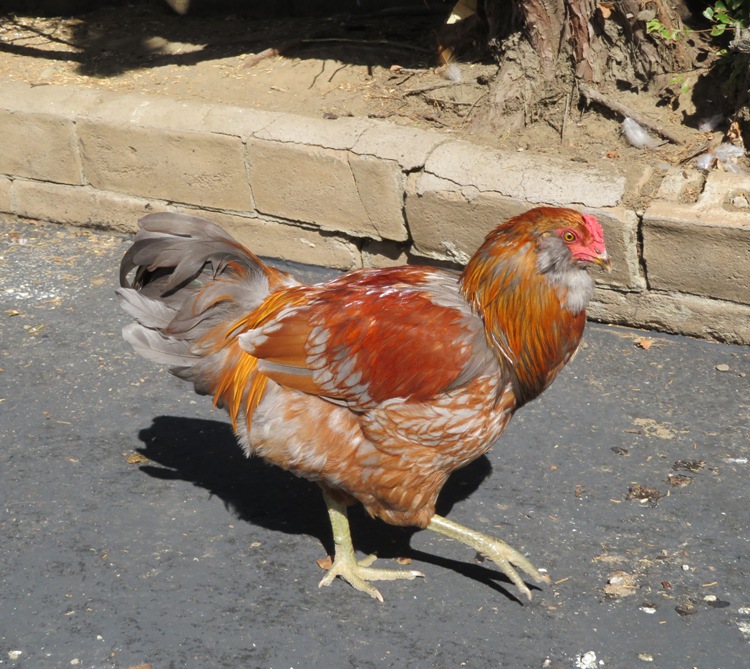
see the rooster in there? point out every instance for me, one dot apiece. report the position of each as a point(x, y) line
point(376, 384)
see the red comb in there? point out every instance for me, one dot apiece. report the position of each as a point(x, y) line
point(594, 227)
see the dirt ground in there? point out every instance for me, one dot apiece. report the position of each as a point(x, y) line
point(380, 65)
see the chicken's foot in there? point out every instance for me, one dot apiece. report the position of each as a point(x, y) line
point(503, 555)
point(345, 564)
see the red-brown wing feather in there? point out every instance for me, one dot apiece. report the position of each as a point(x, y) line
point(370, 336)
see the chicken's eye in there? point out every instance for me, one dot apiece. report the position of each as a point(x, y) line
point(569, 236)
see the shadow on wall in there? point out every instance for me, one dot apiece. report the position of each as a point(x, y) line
point(113, 37)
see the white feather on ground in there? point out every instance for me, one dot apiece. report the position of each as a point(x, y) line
point(726, 155)
point(637, 136)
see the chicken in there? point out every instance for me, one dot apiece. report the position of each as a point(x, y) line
point(379, 383)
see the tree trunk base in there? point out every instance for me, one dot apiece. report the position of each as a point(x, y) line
point(557, 43)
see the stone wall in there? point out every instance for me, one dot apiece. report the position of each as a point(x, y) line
point(353, 192)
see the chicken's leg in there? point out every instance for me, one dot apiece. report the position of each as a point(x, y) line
point(355, 572)
point(503, 555)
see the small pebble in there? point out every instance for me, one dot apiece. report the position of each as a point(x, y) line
point(645, 657)
point(722, 368)
point(587, 660)
point(685, 609)
point(686, 567)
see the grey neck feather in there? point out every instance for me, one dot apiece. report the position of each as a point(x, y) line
point(573, 284)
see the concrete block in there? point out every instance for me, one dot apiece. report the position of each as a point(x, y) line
point(339, 134)
point(6, 196)
point(446, 226)
point(702, 248)
point(37, 124)
point(409, 147)
point(237, 121)
point(681, 184)
point(41, 146)
point(674, 312)
point(151, 111)
point(68, 102)
point(327, 188)
point(78, 205)
point(380, 185)
point(272, 239)
point(526, 177)
point(196, 168)
point(621, 236)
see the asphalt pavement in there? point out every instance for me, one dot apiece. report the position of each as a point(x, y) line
point(134, 532)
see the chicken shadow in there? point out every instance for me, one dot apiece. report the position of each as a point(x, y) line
point(206, 454)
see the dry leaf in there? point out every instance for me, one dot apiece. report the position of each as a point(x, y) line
point(325, 563)
point(136, 459)
point(679, 480)
point(613, 154)
point(644, 342)
point(403, 560)
point(606, 8)
point(689, 465)
point(734, 135)
point(643, 493)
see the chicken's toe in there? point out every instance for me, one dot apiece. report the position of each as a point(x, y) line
point(358, 573)
point(501, 553)
point(345, 564)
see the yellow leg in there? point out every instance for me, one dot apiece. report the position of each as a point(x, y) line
point(503, 555)
point(345, 564)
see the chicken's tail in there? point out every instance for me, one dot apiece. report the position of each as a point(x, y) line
point(193, 282)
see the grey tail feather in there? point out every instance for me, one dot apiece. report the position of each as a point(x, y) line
point(189, 278)
point(148, 311)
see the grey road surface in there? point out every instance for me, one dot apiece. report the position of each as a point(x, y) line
point(134, 532)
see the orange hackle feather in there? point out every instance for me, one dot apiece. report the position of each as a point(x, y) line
point(523, 316)
point(240, 384)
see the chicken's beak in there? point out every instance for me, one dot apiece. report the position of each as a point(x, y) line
point(603, 260)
